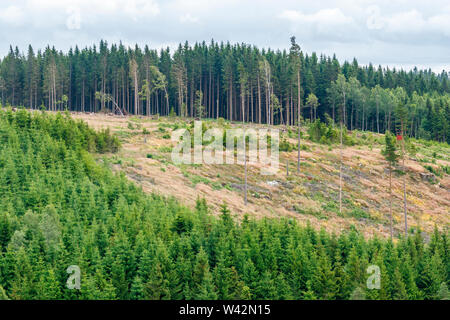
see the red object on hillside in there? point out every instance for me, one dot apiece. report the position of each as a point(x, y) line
point(399, 137)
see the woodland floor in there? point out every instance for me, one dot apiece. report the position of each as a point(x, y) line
point(310, 196)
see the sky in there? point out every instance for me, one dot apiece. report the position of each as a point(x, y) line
point(394, 33)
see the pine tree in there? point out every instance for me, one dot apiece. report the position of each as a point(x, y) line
point(389, 153)
point(204, 284)
point(295, 58)
point(401, 114)
point(324, 281)
point(3, 295)
point(443, 293)
point(199, 108)
point(157, 286)
point(137, 289)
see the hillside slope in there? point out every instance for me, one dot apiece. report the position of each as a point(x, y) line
point(310, 196)
point(62, 211)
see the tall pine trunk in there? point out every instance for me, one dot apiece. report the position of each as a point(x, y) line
point(390, 200)
point(299, 115)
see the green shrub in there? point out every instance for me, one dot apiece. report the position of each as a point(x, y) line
point(60, 207)
point(165, 149)
point(285, 145)
point(322, 133)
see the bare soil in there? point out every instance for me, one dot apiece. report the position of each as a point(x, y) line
point(311, 196)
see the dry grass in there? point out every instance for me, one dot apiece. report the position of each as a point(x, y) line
point(310, 196)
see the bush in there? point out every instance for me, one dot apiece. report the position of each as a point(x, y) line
point(285, 145)
point(59, 207)
point(327, 134)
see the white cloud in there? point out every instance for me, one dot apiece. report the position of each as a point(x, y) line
point(141, 8)
point(324, 16)
point(441, 23)
point(94, 6)
point(382, 31)
point(331, 23)
point(374, 21)
point(406, 22)
point(12, 15)
point(409, 25)
point(187, 18)
point(73, 21)
point(136, 8)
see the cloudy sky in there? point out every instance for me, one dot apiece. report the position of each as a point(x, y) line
point(401, 33)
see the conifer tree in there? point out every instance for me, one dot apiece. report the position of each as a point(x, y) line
point(443, 293)
point(401, 114)
point(391, 156)
point(202, 277)
point(295, 57)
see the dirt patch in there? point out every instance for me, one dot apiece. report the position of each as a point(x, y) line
point(145, 158)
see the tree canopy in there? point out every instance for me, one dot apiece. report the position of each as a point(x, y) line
point(237, 81)
point(60, 208)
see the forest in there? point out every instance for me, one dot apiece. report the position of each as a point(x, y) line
point(60, 207)
point(233, 81)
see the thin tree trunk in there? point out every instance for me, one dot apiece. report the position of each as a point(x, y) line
point(231, 100)
point(298, 121)
point(245, 154)
point(351, 117)
point(251, 103)
point(340, 161)
point(136, 90)
point(378, 116)
point(340, 172)
point(259, 101)
point(217, 98)
point(404, 183)
point(333, 115)
point(390, 200)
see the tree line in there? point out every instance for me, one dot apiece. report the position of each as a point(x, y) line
point(237, 82)
point(61, 208)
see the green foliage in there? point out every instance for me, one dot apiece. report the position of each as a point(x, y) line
point(328, 134)
point(390, 150)
point(363, 97)
point(358, 294)
point(60, 208)
point(312, 212)
point(358, 213)
point(285, 145)
point(322, 133)
point(3, 295)
point(443, 293)
point(199, 107)
point(438, 171)
point(165, 149)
